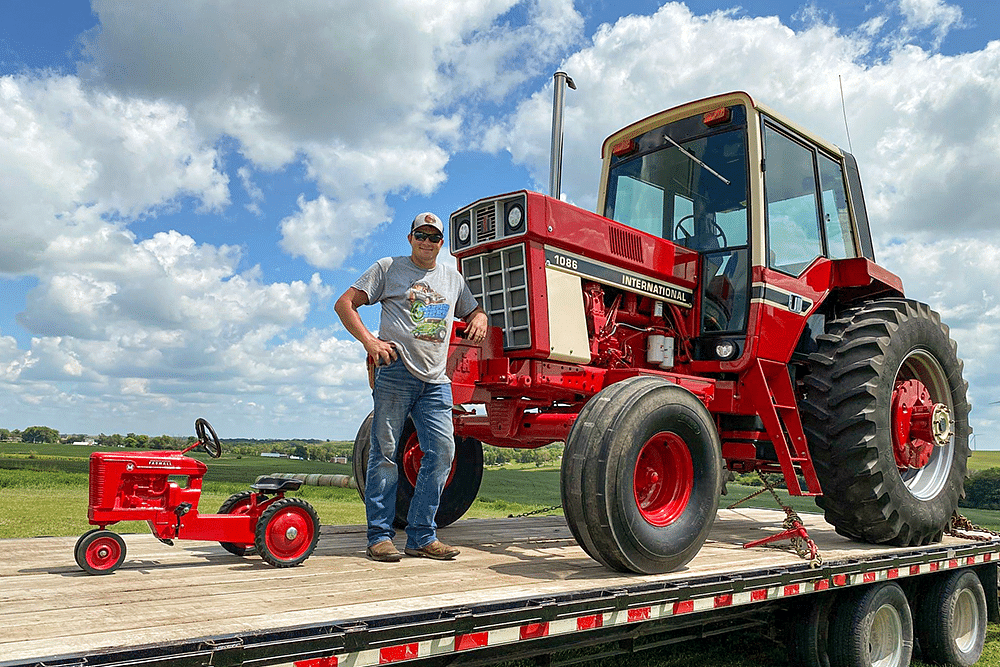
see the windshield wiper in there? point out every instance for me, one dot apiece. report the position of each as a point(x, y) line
point(699, 162)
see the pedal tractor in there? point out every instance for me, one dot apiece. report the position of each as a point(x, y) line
point(163, 488)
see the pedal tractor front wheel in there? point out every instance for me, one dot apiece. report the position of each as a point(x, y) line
point(287, 532)
point(99, 551)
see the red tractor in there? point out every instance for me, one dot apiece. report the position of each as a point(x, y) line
point(721, 310)
point(163, 488)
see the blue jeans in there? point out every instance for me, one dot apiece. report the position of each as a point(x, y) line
point(399, 395)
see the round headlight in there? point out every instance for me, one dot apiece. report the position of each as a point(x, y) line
point(464, 232)
point(726, 350)
point(514, 217)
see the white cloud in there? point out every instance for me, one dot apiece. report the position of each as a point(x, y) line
point(364, 94)
point(70, 159)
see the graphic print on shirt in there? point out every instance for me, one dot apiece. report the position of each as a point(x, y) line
point(428, 312)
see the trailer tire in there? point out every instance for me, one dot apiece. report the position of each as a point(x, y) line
point(460, 490)
point(287, 532)
point(867, 359)
point(951, 620)
point(238, 503)
point(872, 627)
point(809, 631)
point(648, 461)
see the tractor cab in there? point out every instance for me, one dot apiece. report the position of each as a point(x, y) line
point(767, 206)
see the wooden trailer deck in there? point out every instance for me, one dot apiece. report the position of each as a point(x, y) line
point(49, 607)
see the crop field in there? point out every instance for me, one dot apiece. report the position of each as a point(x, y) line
point(43, 492)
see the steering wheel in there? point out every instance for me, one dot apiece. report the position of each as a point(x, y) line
point(719, 233)
point(202, 429)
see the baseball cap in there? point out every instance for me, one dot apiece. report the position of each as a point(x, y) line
point(427, 219)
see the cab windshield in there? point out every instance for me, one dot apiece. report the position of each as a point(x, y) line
point(687, 183)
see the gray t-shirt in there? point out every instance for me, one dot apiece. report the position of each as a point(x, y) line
point(418, 307)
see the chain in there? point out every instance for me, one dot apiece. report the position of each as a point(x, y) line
point(959, 523)
point(794, 530)
point(534, 512)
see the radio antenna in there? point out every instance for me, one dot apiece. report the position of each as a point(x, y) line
point(843, 105)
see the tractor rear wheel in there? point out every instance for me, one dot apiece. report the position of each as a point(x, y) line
point(887, 419)
point(641, 475)
point(460, 490)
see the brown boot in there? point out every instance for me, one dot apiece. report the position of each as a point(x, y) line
point(436, 550)
point(384, 552)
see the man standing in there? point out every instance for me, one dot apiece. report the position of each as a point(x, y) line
point(419, 298)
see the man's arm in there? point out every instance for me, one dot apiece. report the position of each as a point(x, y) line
point(347, 309)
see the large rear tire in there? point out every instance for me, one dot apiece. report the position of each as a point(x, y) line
point(887, 479)
point(641, 476)
point(460, 490)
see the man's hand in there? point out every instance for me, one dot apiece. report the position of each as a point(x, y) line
point(477, 325)
point(382, 351)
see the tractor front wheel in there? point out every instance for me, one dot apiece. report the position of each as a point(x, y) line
point(100, 552)
point(287, 532)
point(641, 475)
point(887, 419)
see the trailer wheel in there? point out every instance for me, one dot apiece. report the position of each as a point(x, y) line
point(238, 503)
point(887, 419)
point(460, 490)
point(872, 627)
point(100, 551)
point(287, 532)
point(951, 620)
point(647, 459)
point(809, 631)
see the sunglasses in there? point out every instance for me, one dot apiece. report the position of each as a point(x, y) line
point(424, 236)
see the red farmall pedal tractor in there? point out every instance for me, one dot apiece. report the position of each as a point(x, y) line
point(163, 488)
point(722, 309)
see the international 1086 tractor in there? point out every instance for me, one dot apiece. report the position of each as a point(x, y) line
point(721, 310)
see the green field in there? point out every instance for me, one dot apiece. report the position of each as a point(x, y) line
point(43, 492)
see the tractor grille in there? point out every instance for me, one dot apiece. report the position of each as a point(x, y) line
point(97, 477)
point(499, 281)
point(486, 223)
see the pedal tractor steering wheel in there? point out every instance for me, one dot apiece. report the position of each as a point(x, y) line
point(203, 430)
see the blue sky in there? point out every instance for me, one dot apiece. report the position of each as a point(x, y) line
point(185, 193)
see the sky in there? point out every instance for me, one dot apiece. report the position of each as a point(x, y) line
point(186, 188)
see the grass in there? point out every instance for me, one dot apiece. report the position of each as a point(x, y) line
point(43, 492)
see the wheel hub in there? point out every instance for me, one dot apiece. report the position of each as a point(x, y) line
point(918, 424)
point(663, 478)
point(413, 455)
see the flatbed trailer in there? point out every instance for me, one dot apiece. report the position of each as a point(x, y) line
point(521, 587)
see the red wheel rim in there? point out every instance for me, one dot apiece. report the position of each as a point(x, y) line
point(663, 478)
point(289, 533)
point(413, 455)
point(103, 553)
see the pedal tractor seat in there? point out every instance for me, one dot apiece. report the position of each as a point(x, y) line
point(275, 484)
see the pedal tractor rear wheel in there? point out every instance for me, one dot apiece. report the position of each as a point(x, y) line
point(287, 532)
point(100, 551)
point(238, 503)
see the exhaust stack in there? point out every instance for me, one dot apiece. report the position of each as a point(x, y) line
point(560, 80)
